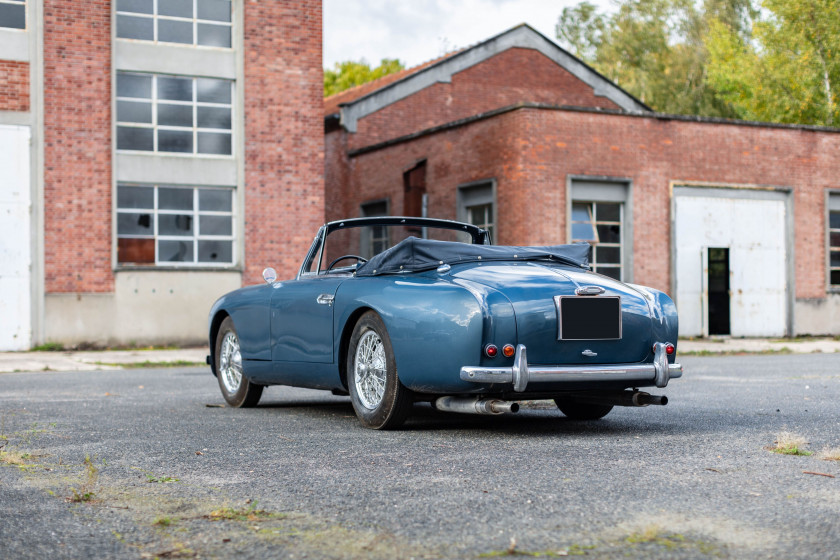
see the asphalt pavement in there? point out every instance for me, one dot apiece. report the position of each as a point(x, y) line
point(93, 360)
point(142, 463)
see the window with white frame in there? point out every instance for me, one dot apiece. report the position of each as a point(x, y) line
point(189, 22)
point(834, 240)
point(13, 14)
point(599, 224)
point(174, 225)
point(174, 114)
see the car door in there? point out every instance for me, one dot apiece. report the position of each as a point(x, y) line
point(302, 319)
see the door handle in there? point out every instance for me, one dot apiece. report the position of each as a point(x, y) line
point(325, 299)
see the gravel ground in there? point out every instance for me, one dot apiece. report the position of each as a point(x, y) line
point(148, 463)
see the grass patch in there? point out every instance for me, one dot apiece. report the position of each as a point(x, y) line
point(245, 513)
point(513, 551)
point(829, 454)
point(49, 347)
point(164, 521)
point(743, 352)
point(656, 536)
point(160, 479)
point(788, 443)
point(147, 364)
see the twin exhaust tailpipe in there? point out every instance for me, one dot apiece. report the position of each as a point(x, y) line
point(479, 405)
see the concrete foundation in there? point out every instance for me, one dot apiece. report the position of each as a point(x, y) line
point(147, 307)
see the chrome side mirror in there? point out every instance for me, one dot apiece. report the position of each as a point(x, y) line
point(269, 275)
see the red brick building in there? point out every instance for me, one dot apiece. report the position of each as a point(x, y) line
point(155, 156)
point(739, 221)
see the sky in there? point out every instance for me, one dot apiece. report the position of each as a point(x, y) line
point(415, 31)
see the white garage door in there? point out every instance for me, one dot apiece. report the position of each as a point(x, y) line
point(15, 253)
point(754, 231)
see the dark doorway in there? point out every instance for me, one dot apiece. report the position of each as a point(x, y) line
point(718, 283)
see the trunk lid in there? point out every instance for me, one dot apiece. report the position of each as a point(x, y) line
point(531, 288)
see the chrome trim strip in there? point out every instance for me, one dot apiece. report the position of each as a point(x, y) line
point(521, 374)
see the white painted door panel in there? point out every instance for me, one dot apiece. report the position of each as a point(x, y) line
point(754, 231)
point(15, 252)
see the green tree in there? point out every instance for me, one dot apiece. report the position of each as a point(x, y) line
point(655, 49)
point(347, 74)
point(787, 69)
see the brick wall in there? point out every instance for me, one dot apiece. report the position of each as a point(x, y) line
point(513, 76)
point(14, 85)
point(284, 142)
point(532, 152)
point(77, 146)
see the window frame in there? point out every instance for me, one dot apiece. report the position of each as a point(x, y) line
point(25, 5)
point(195, 236)
point(194, 104)
point(832, 205)
point(156, 18)
point(589, 188)
point(475, 194)
point(367, 240)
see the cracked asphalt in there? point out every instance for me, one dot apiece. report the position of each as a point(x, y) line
point(147, 463)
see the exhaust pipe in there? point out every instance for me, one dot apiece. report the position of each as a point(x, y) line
point(475, 405)
point(624, 398)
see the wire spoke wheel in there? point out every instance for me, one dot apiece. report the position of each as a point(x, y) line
point(236, 388)
point(370, 370)
point(381, 402)
point(230, 363)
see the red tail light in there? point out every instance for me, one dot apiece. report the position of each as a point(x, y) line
point(670, 349)
point(491, 350)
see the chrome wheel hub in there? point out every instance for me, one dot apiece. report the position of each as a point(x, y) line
point(230, 363)
point(369, 370)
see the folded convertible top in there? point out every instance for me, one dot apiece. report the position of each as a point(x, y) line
point(413, 255)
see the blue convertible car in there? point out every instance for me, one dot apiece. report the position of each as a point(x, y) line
point(394, 311)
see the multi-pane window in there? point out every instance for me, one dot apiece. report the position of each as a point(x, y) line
point(834, 241)
point(189, 22)
point(476, 205)
point(599, 223)
point(374, 239)
point(13, 14)
point(162, 224)
point(481, 215)
point(174, 114)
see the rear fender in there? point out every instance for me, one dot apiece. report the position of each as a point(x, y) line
point(435, 327)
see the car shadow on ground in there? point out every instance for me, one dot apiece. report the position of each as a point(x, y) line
point(528, 422)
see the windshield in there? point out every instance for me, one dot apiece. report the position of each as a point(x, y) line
point(370, 240)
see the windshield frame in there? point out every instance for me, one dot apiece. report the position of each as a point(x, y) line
point(478, 235)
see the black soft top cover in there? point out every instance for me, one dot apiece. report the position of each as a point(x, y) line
point(413, 255)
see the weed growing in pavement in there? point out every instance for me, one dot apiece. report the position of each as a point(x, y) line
point(829, 454)
point(249, 513)
point(164, 521)
point(788, 443)
point(85, 491)
point(162, 479)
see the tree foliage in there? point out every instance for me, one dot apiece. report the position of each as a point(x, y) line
point(656, 49)
point(347, 74)
point(787, 70)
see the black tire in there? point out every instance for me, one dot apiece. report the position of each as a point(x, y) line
point(582, 411)
point(379, 406)
point(237, 389)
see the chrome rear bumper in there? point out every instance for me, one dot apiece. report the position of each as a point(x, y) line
point(521, 374)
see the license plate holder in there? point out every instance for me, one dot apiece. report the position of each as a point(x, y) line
point(588, 317)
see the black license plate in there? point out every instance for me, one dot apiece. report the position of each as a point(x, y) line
point(588, 317)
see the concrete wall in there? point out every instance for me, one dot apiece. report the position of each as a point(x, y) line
point(146, 307)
